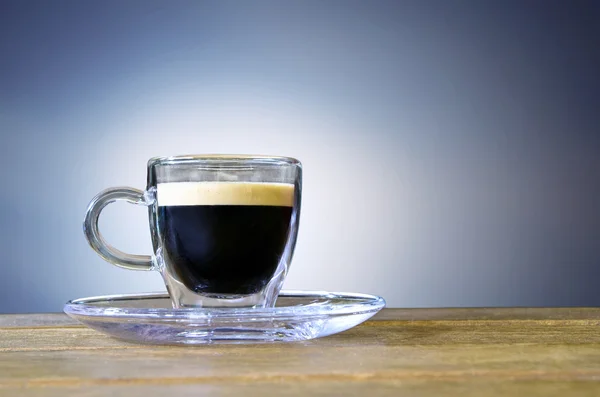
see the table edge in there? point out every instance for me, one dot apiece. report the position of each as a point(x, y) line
point(388, 314)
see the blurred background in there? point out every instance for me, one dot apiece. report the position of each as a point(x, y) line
point(451, 149)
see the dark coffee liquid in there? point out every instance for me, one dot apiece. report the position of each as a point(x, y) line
point(224, 249)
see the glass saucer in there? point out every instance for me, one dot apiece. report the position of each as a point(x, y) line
point(297, 316)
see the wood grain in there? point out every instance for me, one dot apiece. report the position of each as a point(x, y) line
point(424, 352)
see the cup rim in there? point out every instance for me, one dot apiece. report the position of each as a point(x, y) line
point(226, 158)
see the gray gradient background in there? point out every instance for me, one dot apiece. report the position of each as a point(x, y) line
point(451, 148)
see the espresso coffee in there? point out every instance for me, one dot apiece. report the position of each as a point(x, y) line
point(224, 237)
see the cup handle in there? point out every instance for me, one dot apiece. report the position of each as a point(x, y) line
point(95, 239)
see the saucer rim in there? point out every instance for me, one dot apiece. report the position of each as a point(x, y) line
point(363, 304)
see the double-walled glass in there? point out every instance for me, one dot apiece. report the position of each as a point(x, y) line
point(223, 227)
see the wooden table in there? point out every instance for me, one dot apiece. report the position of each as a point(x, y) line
point(420, 352)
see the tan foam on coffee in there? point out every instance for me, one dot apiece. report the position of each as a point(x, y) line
point(225, 193)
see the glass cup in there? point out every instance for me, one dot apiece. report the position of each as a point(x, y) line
point(223, 227)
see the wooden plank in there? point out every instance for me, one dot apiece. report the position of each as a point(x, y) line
point(421, 388)
point(484, 352)
point(372, 333)
point(391, 352)
point(487, 313)
point(294, 364)
point(36, 320)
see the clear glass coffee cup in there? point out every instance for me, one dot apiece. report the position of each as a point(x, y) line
point(223, 227)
